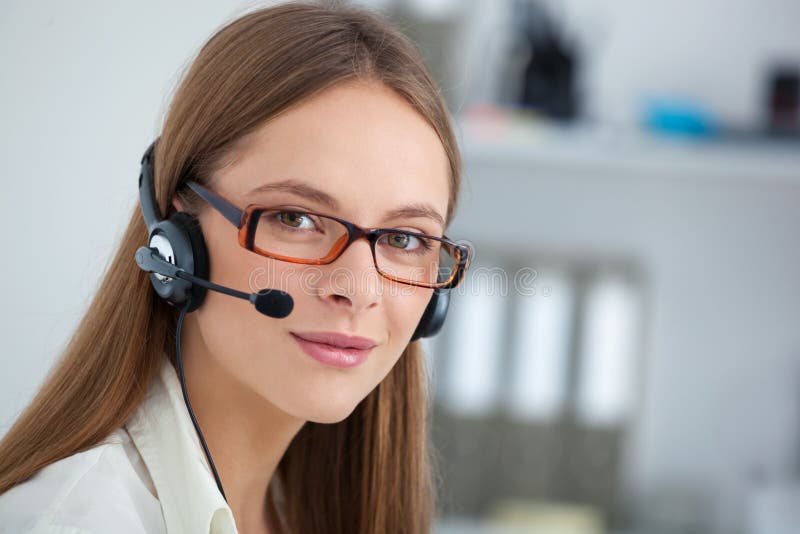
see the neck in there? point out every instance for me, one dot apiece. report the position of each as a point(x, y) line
point(246, 434)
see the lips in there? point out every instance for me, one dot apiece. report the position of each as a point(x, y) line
point(335, 350)
point(337, 340)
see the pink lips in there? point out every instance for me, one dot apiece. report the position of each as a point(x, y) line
point(334, 349)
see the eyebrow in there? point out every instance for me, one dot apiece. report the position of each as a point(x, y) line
point(296, 187)
point(300, 189)
point(418, 210)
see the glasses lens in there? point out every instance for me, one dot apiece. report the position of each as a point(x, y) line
point(416, 259)
point(298, 235)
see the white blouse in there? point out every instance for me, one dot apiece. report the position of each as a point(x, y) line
point(149, 476)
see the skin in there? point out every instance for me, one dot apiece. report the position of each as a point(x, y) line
point(251, 385)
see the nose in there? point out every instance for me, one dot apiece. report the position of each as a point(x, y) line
point(352, 281)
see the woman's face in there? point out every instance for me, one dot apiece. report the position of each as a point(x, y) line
point(371, 153)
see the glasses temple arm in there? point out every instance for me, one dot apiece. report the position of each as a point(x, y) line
point(228, 210)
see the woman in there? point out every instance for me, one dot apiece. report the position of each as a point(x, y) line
point(311, 122)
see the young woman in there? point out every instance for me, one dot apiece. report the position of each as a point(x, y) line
point(307, 150)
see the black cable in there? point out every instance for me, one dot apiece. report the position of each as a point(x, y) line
point(186, 400)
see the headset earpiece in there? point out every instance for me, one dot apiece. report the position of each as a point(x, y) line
point(197, 258)
point(434, 315)
point(179, 240)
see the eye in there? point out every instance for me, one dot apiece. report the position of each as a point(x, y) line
point(296, 219)
point(407, 242)
point(399, 240)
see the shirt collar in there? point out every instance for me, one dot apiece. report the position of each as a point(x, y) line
point(164, 434)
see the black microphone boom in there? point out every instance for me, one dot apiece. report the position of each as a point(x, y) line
point(272, 302)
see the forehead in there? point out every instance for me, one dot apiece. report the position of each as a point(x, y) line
point(360, 142)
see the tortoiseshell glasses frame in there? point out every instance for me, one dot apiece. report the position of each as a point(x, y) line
point(246, 220)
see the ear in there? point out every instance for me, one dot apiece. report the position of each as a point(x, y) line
point(176, 203)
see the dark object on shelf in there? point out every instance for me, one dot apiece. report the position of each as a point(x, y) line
point(548, 83)
point(784, 102)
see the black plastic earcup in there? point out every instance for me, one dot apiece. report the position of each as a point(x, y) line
point(434, 315)
point(197, 263)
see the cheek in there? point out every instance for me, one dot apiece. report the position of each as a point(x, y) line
point(232, 328)
point(404, 311)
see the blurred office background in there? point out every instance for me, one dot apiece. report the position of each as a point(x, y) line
point(625, 356)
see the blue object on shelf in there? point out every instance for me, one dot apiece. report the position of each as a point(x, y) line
point(679, 118)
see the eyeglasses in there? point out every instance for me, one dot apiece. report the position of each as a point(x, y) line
point(307, 237)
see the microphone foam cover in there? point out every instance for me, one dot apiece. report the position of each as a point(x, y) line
point(274, 302)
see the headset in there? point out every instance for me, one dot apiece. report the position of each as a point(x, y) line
point(177, 259)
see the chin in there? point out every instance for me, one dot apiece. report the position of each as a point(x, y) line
point(327, 411)
point(328, 419)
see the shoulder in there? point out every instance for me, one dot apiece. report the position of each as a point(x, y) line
point(103, 489)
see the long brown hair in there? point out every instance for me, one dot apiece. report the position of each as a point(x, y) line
point(370, 473)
